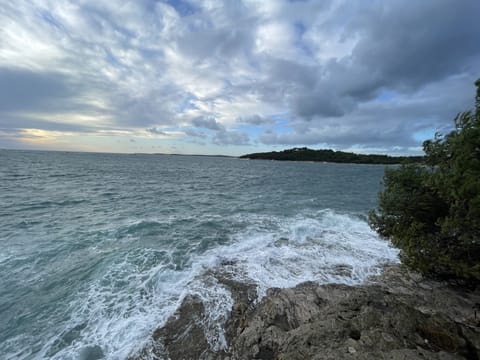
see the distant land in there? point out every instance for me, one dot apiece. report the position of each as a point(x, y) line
point(306, 154)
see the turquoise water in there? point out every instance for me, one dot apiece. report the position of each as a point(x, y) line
point(99, 249)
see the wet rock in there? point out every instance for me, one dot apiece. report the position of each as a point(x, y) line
point(398, 315)
point(183, 336)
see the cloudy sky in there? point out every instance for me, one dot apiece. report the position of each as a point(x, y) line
point(213, 77)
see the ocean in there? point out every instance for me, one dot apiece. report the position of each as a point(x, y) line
point(98, 250)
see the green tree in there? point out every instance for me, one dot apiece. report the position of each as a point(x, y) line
point(432, 211)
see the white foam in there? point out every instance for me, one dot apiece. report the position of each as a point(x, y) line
point(119, 311)
point(311, 248)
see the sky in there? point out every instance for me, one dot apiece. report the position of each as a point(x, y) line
point(234, 77)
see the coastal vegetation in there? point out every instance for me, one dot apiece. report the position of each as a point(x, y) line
point(432, 211)
point(327, 155)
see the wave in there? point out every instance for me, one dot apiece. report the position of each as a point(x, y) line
point(326, 247)
point(140, 288)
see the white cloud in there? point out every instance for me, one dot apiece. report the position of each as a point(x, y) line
point(123, 67)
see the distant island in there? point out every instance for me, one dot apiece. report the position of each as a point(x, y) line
point(327, 155)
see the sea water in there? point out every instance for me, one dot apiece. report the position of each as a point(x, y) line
point(98, 250)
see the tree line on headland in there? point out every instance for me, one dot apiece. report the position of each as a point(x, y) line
point(306, 154)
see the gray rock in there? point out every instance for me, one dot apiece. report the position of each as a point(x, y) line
point(398, 315)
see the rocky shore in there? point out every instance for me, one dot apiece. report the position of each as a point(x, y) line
point(398, 315)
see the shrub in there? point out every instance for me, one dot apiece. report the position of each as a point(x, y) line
point(432, 211)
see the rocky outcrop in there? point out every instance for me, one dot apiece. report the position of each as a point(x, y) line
point(398, 315)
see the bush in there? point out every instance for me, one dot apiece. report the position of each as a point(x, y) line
point(432, 211)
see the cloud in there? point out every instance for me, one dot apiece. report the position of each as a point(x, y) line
point(327, 73)
point(207, 123)
point(194, 133)
point(156, 131)
point(27, 90)
point(255, 120)
point(224, 137)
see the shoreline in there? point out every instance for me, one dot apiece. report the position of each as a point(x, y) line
point(395, 315)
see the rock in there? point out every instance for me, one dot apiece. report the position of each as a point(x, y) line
point(398, 315)
point(183, 336)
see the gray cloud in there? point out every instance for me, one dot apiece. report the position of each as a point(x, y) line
point(194, 133)
point(400, 48)
point(232, 137)
point(207, 123)
point(156, 131)
point(331, 73)
point(411, 48)
point(221, 136)
point(381, 124)
point(26, 90)
point(255, 120)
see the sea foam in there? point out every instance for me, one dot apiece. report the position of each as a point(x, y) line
point(142, 288)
